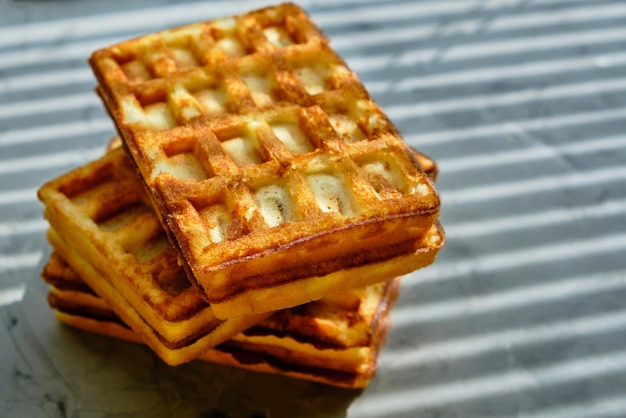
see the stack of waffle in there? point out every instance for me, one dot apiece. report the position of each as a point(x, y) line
point(259, 211)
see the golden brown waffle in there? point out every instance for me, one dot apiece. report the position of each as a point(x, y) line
point(265, 157)
point(429, 165)
point(100, 211)
point(335, 340)
point(104, 227)
point(76, 295)
point(108, 233)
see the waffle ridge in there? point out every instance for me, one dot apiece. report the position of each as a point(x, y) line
point(263, 153)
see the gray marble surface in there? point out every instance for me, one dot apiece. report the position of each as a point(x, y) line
point(523, 104)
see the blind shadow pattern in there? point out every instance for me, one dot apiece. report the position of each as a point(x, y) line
point(522, 103)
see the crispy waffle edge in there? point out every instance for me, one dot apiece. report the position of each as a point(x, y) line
point(86, 311)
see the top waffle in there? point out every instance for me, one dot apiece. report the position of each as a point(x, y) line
point(265, 157)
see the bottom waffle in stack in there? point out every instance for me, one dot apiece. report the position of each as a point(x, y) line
point(334, 340)
point(113, 272)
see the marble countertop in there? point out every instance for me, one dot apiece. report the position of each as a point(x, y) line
point(522, 103)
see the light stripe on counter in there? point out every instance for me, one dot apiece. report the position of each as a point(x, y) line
point(511, 97)
point(20, 261)
point(466, 347)
point(536, 220)
point(536, 185)
point(54, 132)
point(515, 127)
point(601, 406)
point(12, 294)
point(30, 226)
point(538, 153)
point(385, 404)
point(19, 196)
point(532, 255)
point(49, 105)
point(513, 71)
point(49, 160)
point(500, 301)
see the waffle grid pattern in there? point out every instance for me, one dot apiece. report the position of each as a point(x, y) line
point(107, 206)
point(251, 135)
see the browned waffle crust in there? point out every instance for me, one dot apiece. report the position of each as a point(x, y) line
point(335, 340)
point(110, 235)
point(429, 165)
point(104, 228)
point(265, 157)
